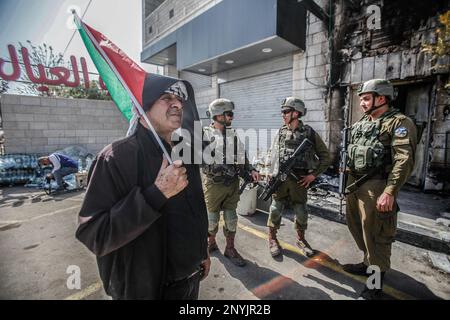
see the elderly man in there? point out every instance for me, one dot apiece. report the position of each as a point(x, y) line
point(145, 220)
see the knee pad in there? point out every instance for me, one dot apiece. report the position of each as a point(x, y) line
point(213, 222)
point(230, 218)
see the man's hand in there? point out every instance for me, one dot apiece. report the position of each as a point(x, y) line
point(171, 180)
point(50, 176)
point(306, 180)
point(206, 265)
point(255, 176)
point(385, 203)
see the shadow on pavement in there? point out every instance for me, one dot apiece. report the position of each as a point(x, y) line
point(267, 284)
point(17, 197)
point(394, 278)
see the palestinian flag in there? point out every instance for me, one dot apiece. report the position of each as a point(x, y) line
point(113, 64)
point(131, 88)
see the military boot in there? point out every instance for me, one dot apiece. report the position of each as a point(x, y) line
point(231, 252)
point(274, 245)
point(212, 244)
point(303, 244)
point(373, 294)
point(359, 269)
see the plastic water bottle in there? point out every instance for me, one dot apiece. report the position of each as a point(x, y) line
point(88, 163)
point(80, 165)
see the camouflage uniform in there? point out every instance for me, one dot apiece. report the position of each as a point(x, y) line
point(314, 161)
point(384, 149)
point(221, 183)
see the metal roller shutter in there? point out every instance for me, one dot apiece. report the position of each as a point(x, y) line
point(257, 99)
point(257, 103)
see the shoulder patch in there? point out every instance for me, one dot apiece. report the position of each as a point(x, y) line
point(401, 132)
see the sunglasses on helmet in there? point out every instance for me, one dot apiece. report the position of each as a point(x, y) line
point(287, 111)
point(228, 114)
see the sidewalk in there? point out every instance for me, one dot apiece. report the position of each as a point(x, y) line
point(421, 219)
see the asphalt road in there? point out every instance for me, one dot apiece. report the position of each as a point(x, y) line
point(39, 256)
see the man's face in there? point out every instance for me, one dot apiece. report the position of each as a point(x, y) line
point(288, 115)
point(166, 114)
point(44, 162)
point(226, 118)
point(367, 101)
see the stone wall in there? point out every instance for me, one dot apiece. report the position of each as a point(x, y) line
point(44, 125)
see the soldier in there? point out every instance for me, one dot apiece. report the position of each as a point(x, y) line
point(221, 185)
point(308, 166)
point(381, 158)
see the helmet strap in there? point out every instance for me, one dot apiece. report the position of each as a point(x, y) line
point(293, 119)
point(369, 112)
point(223, 123)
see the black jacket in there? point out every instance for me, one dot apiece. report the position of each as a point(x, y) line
point(134, 230)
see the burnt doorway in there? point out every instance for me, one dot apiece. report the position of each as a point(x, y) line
point(414, 100)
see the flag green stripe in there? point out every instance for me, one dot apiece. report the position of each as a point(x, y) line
point(118, 93)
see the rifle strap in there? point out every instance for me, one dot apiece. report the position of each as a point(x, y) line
point(358, 183)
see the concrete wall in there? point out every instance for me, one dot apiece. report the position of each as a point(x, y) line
point(184, 11)
point(43, 125)
point(310, 74)
point(206, 90)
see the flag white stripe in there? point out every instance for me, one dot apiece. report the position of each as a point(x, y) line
point(133, 98)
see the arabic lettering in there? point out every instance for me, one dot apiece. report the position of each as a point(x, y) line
point(56, 76)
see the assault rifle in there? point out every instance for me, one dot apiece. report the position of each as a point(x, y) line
point(246, 176)
point(230, 172)
point(344, 156)
point(343, 168)
point(284, 171)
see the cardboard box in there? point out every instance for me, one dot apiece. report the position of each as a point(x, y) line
point(81, 179)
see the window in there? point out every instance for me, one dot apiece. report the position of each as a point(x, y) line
point(150, 30)
point(171, 14)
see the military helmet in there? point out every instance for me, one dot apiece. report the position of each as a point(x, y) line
point(294, 103)
point(219, 106)
point(379, 86)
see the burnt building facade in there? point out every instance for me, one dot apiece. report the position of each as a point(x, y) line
point(389, 39)
point(257, 52)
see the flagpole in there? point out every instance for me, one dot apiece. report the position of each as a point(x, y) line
point(133, 98)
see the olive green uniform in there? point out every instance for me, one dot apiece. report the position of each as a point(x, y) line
point(314, 161)
point(384, 149)
point(221, 183)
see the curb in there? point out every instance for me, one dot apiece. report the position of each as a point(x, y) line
point(406, 232)
point(410, 230)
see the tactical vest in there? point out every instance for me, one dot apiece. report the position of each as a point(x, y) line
point(289, 140)
point(220, 173)
point(367, 150)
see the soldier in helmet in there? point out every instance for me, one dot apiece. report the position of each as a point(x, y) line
point(381, 158)
point(221, 183)
point(309, 165)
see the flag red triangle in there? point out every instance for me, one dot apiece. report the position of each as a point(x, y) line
point(130, 71)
